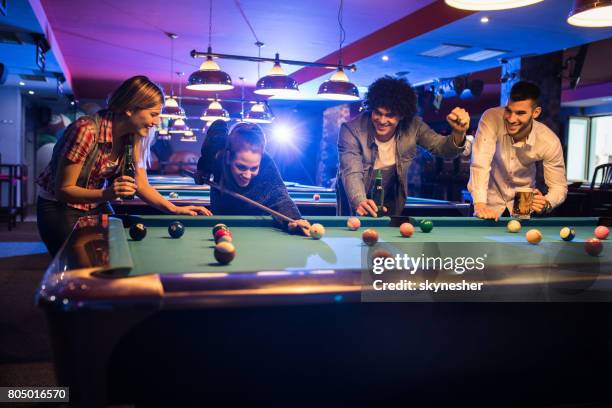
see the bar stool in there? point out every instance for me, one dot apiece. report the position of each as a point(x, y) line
point(14, 176)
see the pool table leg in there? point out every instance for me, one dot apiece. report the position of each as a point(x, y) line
point(83, 343)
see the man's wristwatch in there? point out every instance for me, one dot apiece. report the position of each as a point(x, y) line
point(547, 208)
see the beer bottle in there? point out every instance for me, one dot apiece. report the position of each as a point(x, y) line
point(128, 168)
point(378, 193)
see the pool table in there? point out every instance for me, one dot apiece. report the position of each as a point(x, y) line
point(192, 194)
point(160, 320)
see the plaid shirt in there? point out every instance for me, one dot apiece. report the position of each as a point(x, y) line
point(80, 138)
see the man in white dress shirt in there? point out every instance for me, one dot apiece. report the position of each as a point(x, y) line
point(508, 143)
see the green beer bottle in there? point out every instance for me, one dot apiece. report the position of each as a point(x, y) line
point(378, 193)
point(128, 168)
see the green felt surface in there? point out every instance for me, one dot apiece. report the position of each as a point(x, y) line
point(261, 247)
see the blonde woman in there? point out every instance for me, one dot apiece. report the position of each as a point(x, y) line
point(82, 177)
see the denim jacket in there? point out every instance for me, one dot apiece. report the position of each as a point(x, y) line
point(357, 152)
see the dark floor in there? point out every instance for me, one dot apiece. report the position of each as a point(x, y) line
point(25, 352)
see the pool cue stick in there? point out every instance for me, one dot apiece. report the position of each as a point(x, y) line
point(241, 197)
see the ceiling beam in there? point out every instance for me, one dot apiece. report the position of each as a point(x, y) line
point(422, 21)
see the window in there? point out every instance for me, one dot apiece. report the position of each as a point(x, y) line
point(601, 142)
point(589, 144)
point(577, 143)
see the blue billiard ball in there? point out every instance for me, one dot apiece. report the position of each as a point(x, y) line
point(567, 233)
point(176, 229)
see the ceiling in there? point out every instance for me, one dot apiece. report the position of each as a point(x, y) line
point(98, 43)
point(20, 58)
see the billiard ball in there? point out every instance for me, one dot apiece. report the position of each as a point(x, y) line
point(593, 246)
point(317, 231)
point(533, 236)
point(426, 225)
point(353, 223)
point(138, 231)
point(218, 227)
point(224, 238)
point(173, 194)
point(567, 233)
point(370, 237)
point(406, 229)
point(176, 229)
point(225, 252)
point(316, 197)
point(381, 253)
point(221, 232)
point(513, 226)
point(602, 232)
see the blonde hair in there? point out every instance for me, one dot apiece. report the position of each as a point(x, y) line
point(137, 93)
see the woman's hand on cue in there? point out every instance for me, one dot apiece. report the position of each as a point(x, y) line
point(302, 226)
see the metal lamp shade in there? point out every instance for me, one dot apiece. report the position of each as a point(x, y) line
point(591, 13)
point(210, 81)
point(215, 111)
point(277, 85)
point(482, 5)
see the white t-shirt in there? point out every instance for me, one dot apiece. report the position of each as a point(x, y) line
point(386, 153)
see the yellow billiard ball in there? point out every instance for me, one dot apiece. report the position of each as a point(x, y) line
point(513, 226)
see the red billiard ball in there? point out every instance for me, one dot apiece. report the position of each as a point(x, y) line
point(370, 237)
point(406, 229)
point(381, 253)
point(593, 246)
point(218, 227)
point(225, 238)
point(221, 232)
point(602, 232)
point(353, 223)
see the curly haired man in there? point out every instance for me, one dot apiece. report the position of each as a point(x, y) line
point(384, 137)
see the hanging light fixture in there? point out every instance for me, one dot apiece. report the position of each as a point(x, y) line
point(178, 127)
point(591, 13)
point(481, 5)
point(277, 82)
point(162, 134)
point(189, 136)
point(209, 77)
point(259, 113)
point(171, 109)
point(338, 87)
point(215, 111)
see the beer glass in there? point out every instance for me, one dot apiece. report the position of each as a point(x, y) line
point(523, 197)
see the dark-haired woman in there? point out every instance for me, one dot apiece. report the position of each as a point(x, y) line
point(244, 167)
point(82, 177)
point(384, 137)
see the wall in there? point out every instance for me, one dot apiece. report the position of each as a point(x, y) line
point(11, 132)
point(11, 125)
